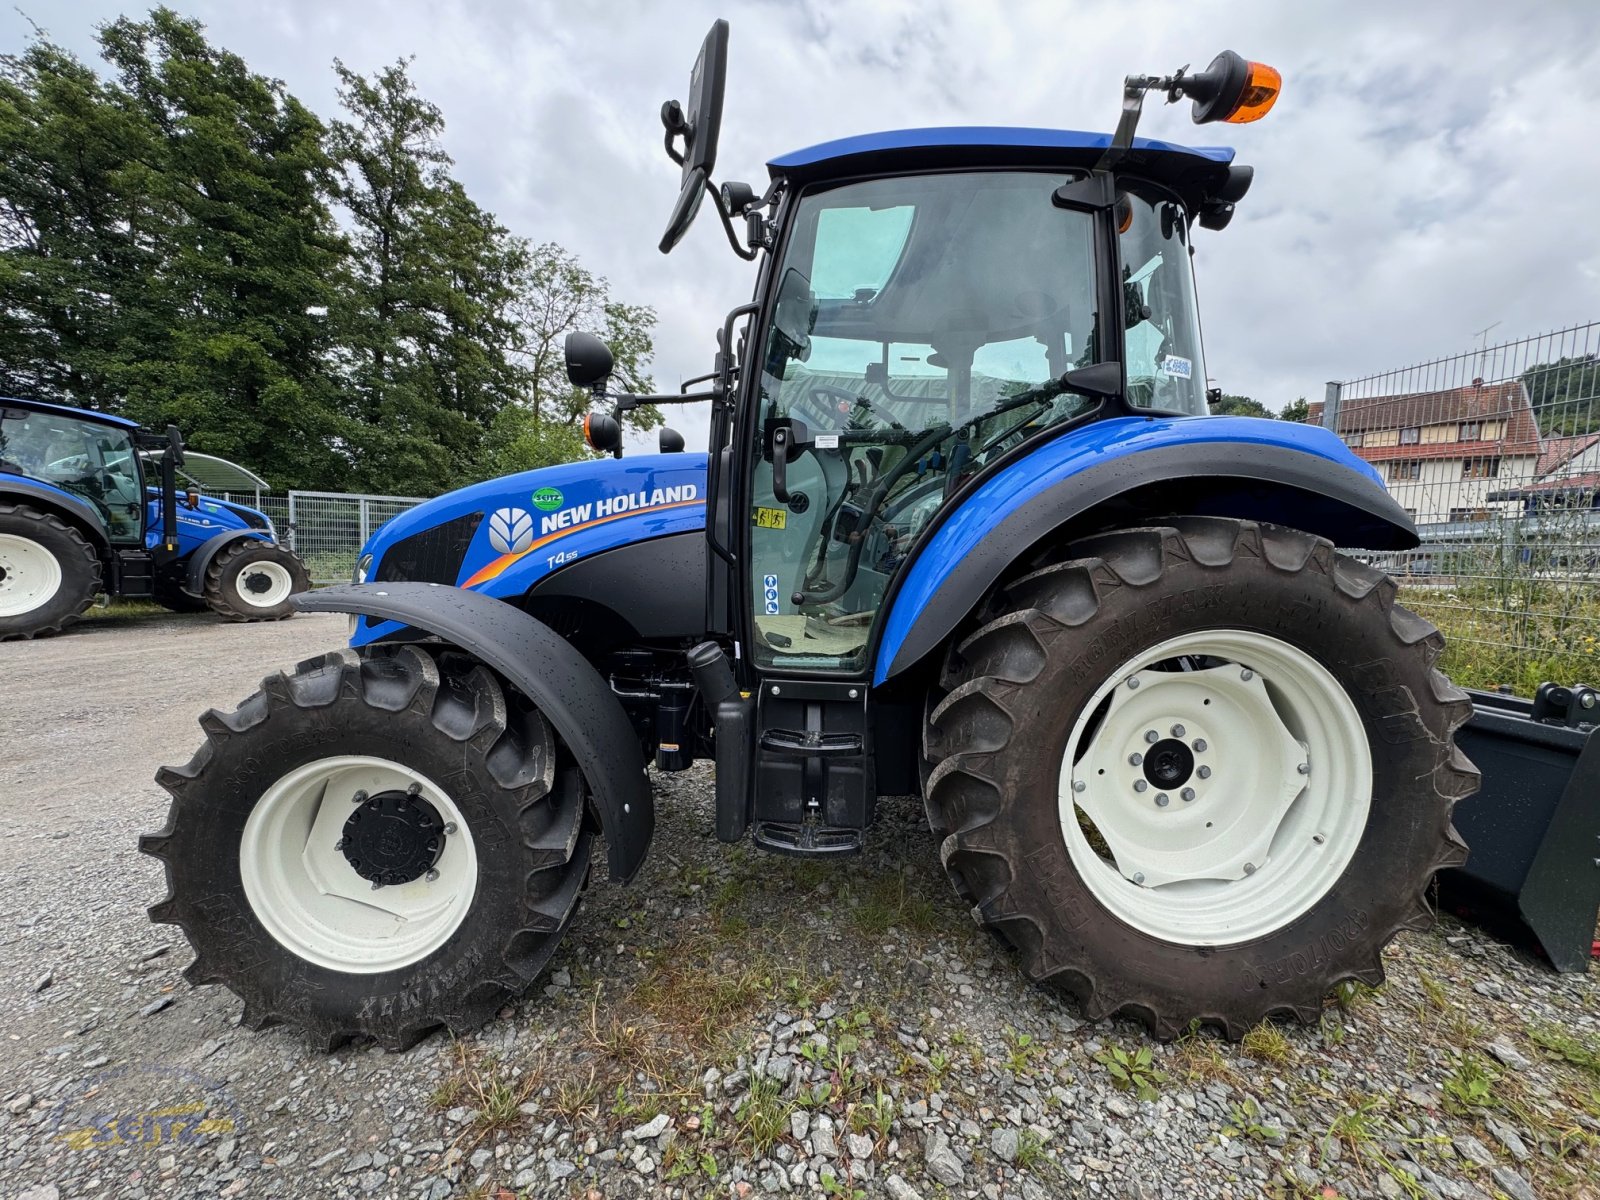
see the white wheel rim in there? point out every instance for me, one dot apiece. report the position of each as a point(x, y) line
point(30, 576)
point(264, 584)
point(305, 892)
point(1263, 835)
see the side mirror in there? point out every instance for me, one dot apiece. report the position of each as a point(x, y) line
point(589, 360)
point(795, 313)
point(671, 441)
point(699, 124)
point(603, 432)
point(1098, 379)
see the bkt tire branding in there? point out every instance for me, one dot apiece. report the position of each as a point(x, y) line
point(510, 530)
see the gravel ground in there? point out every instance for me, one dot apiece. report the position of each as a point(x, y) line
point(732, 1024)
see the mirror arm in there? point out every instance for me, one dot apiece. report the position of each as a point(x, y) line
point(727, 222)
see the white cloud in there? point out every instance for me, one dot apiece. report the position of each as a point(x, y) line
point(1429, 170)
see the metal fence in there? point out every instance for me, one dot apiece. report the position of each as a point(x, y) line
point(326, 529)
point(1496, 455)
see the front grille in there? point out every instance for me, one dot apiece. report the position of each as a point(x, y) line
point(432, 556)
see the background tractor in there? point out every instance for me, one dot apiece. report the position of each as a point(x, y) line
point(963, 530)
point(77, 518)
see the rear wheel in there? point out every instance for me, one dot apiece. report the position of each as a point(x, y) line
point(1199, 772)
point(253, 580)
point(375, 845)
point(48, 573)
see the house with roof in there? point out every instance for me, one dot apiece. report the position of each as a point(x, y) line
point(1567, 477)
point(1448, 455)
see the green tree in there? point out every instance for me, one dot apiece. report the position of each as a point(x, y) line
point(1565, 394)
point(227, 341)
point(1239, 406)
point(1296, 410)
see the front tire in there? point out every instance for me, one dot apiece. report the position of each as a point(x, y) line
point(377, 845)
point(1199, 772)
point(253, 580)
point(48, 573)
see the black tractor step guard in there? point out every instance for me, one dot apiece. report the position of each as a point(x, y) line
point(568, 691)
point(1533, 829)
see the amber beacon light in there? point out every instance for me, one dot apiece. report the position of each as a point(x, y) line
point(1231, 89)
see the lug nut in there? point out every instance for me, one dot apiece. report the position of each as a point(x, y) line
point(1187, 794)
point(1140, 785)
point(432, 874)
point(1178, 731)
point(1319, 838)
point(359, 798)
point(414, 790)
point(341, 843)
point(1304, 768)
point(1138, 877)
point(1199, 745)
point(450, 828)
point(1249, 868)
point(1162, 800)
point(376, 884)
point(1136, 759)
point(1133, 683)
point(1204, 772)
point(1247, 675)
point(1079, 785)
point(1151, 736)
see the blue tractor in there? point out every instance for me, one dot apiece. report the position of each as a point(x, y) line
point(964, 530)
point(78, 517)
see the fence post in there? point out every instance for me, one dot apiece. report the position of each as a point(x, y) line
point(366, 522)
point(291, 523)
point(1332, 391)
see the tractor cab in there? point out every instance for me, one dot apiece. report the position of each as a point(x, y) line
point(92, 456)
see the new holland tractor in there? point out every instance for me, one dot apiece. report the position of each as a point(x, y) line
point(77, 518)
point(964, 530)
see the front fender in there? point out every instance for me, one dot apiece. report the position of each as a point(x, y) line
point(195, 576)
point(1134, 469)
point(568, 691)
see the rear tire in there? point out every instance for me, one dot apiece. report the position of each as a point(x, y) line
point(1335, 772)
point(252, 580)
point(49, 573)
point(290, 921)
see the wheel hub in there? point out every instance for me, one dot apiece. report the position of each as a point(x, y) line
point(1168, 764)
point(392, 838)
point(257, 582)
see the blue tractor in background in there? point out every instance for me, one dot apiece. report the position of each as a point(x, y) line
point(964, 530)
point(79, 517)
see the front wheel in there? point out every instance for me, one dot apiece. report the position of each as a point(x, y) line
point(253, 580)
point(375, 845)
point(1199, 772)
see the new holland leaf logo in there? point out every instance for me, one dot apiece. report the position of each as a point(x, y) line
point(510, 530)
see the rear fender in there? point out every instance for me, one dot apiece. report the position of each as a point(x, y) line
point(568, 691)
point(49, 498)
point(1125, 472)
point(194, 580)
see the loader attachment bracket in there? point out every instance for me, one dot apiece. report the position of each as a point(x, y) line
point(573, 697)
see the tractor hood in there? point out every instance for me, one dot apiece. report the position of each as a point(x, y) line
point(502, 536)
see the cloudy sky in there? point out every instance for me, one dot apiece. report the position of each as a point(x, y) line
point(1431, 169)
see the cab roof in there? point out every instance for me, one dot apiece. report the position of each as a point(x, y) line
point(82, 414)
point(1195, 172)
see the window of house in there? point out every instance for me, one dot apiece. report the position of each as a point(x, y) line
point(1353, 440)
point(1469, 431)
point(1403, 471)
point(1480, 468)
point(1411, 436)
point(1469, 514)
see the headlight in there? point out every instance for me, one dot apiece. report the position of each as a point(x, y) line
point(363, 565)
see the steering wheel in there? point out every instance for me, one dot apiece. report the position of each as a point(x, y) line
point(822, 392)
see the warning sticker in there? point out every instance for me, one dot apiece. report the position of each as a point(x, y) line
point(771, 518)
point(1178, 368)
point(769, 594)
